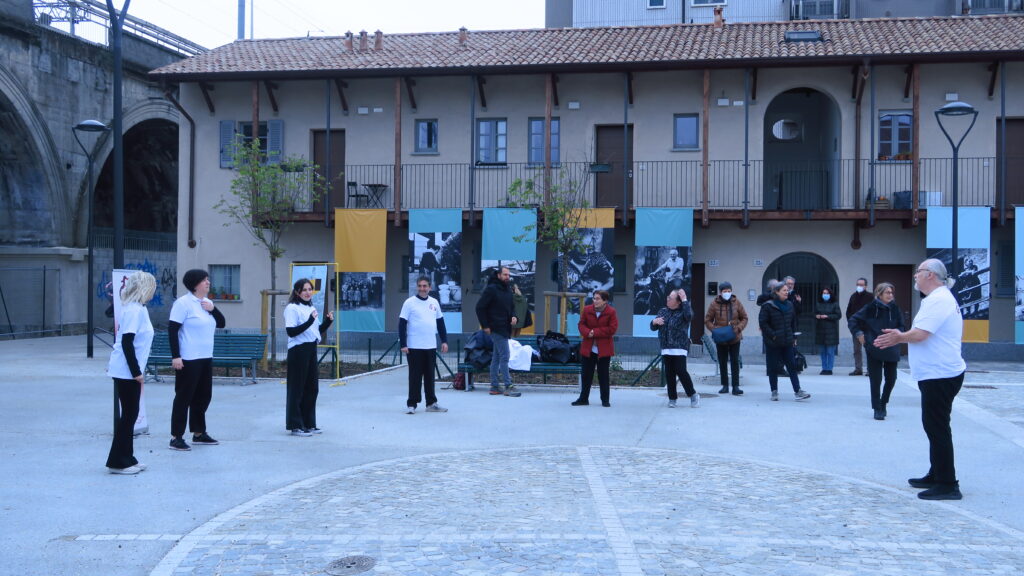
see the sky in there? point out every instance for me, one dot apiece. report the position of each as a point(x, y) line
point(213, 23)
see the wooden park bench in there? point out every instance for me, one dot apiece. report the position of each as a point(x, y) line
point(229, 351)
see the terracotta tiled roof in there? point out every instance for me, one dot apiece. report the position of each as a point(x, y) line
point(580, 49)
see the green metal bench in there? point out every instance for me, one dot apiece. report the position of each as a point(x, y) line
point(229, 351)
point(543, 368)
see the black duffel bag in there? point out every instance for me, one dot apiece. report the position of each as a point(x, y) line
point(554, 347)
point(479, 350)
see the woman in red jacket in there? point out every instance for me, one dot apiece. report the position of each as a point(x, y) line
point(598, 324)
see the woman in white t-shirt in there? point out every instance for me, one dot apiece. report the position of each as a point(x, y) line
point(190, 329)
point(304, 331)
point(127, 361)
point(419, 324)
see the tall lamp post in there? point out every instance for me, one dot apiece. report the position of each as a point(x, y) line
point(952, 110)
point(98, 127)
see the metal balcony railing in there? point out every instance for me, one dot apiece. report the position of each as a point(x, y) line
point(843, 184)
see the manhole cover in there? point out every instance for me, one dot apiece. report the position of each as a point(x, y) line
point(350, 565)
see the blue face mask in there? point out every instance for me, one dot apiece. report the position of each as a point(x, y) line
point(826, 297)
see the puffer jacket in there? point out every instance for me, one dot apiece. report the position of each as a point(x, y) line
point(778, 323)
point(719, 313)
point(827, 330)
point(871, 320)
point(675, 332)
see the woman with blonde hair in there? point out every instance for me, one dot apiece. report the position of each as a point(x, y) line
point(867, 324)
point(127, 360)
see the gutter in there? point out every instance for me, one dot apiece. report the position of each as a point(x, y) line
point(191, 167)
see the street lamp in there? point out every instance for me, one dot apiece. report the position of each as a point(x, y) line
point(952, 110)
point(98, 127)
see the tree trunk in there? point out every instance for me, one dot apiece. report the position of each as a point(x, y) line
point(273, 307)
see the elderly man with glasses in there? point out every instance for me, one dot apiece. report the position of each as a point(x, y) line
point(935, 362)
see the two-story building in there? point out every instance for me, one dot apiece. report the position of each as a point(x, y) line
point(806, 148)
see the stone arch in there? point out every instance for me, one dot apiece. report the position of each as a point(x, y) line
point(27, 120)
point(812, 273)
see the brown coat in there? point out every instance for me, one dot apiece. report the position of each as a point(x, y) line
point(719, 313)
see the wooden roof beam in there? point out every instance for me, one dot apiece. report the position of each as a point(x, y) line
point(993, 69)
point(206, 87)
point(480, 81)
point(271, 87)
point(554, 90)
point(341, 85)
point(409, 83)
point(909, 72)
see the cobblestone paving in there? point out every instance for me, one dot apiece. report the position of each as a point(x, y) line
point(593, 511)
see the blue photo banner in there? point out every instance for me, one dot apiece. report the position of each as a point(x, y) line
point(664, 240)
point(1018, 308)
point(973, 280)
point(664, 226)
point(501, 228)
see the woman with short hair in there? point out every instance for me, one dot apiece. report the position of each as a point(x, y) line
point(128, 359)
point(777, 320)
point(190, 329)
point(673, 326)
point(868, 323)
point(598, 325)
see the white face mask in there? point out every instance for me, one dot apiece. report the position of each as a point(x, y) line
point(726, 296)
point(860, 288)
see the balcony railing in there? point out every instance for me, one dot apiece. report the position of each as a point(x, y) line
point(764, 185)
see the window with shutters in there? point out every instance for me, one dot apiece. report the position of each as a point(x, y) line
point(1006, 283)
point(270, 135)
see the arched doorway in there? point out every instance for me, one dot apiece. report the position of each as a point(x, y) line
point(801, 151)
point(812, 273)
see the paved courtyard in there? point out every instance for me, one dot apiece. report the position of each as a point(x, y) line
point(502, 485)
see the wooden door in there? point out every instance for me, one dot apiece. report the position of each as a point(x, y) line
point(611, 167)
point(1014, 160)
point(337, 188)
point(900, 276)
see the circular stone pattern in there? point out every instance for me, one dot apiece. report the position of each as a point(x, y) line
point(593, 511)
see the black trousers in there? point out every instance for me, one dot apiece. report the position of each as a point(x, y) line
point(675, 367)
point(936, 407)
point(303, 387)
point(421, 372)
point(785, 355)
point(122, 451)
point(602, 365)
point(729, 354)
point(876, 370)
point(193, 390)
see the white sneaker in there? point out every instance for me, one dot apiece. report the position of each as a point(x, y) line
point(301, 432)
point(775, 395)
point(695, 400)
point(128, 470)
point(410, 409)
point(802, 395)
point(435, 407)
point(671, 403)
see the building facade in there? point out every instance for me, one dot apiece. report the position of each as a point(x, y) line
point(819, 159)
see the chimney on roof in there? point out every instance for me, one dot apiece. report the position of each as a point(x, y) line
point(719, 20)
point(378, 40)
point(348, 40)
point(463, 36)
point(363, 40)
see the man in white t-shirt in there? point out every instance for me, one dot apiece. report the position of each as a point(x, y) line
point(419, 324)
point(936, 364)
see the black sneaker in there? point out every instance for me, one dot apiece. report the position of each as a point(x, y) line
point(179, 444)
point(922, 482)
point(204, 438)
point(581, 402)
point(941, 492)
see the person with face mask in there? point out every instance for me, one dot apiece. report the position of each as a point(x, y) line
point(860, 298)
point(826, 328)
point(725, 310)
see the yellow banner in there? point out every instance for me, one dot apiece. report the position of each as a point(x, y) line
point(360, 239)
point(975, 330)
point(597, 218)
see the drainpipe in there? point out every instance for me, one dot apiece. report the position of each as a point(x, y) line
point(191, 167)
point(472, 150)
point(626, 161)
point(746, 148)
point(327, 150)
point(1002, 143)
point(873, 156)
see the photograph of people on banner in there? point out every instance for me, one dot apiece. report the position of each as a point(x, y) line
point(591, 268)
point(438, 256)
point(317, 275)
point(523, 276)
point(972, 287)
point(659, 270)
point(361, 291)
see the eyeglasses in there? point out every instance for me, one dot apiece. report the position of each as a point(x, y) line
point(919, 270)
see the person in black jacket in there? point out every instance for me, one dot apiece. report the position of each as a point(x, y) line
point(673, 326)
point(866, 325)
point(496, 315)
point(859, 299)
point(778, 330)
point(826, 328)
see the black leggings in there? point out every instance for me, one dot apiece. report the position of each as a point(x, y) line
point(675, 367)
point(303, 387)
point(122, 449)
point(421, 371)
point(876, 369)
point(729, 355)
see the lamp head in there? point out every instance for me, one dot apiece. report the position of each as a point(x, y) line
point(956, 109)
point(92, 126)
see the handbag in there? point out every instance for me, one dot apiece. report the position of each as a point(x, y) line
point(724, 334)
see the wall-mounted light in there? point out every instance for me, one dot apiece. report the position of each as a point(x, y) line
point(723, 101)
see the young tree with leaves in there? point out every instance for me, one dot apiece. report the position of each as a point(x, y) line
point(262, 199)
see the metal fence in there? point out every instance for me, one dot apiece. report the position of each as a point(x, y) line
point(30, 303)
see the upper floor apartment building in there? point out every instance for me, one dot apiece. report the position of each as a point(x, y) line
point(821, 143)
point(595, 13)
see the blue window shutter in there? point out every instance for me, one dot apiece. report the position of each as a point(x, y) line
point(227, 141)
point(275, 141)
